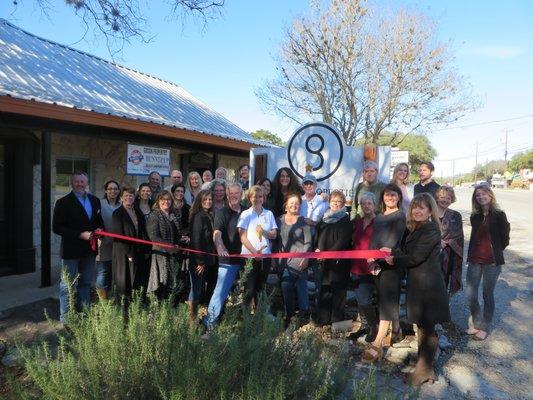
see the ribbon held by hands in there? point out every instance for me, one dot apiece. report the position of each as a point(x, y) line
point(327, 255)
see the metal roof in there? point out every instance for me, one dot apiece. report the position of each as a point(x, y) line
point(33, 68)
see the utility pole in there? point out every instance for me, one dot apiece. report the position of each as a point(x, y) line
point(453, 173)
point(506, 137)
point(475, 166)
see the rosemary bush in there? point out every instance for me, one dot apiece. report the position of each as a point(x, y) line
point(152, 352)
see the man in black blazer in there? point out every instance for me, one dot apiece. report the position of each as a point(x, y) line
point(76, 217)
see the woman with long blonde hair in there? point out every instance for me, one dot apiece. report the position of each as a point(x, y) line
point(488, 238)
point(193, 186)
point(400, 176)
point(426, 299)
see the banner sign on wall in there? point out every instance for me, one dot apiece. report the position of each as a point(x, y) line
point(141, 160)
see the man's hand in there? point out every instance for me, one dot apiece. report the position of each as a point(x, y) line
point(85, 235)
point(222, 251)
point(200, 268)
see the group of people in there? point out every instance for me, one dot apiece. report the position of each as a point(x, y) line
point(217, 221)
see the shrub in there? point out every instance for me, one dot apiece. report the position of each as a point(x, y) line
point(152, 352)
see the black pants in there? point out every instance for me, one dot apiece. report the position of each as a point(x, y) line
point(210, 276)
point(256, 279)
point(332, 295)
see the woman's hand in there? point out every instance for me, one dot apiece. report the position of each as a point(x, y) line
point(374, 268)
point(318, 251)
point(385, 249)
point(200, 268)
point(303, 264)
point(260, 250)
point(389, 260)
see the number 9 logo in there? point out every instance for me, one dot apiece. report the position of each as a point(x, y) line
point(315, 148)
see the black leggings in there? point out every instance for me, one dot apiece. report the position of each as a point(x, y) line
point(256, 279)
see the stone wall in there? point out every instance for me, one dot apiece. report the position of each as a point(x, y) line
point(107, 160)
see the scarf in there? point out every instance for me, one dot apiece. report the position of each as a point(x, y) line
point(331, 217)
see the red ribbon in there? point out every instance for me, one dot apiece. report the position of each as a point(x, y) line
point(339, 254)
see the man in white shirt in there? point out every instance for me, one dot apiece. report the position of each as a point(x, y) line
point(313, 205)
point(175, 177)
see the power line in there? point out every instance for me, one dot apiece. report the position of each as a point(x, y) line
point(483, 123)
point(511, 149)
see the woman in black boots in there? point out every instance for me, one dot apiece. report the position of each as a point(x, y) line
point(427, 298)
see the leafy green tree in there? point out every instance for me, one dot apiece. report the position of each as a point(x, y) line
point(495, 167)
point(267, 136)
point(521, 160)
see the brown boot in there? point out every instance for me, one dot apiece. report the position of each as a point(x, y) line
point(102, 294)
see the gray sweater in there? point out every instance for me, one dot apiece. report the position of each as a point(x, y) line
point(293, 238)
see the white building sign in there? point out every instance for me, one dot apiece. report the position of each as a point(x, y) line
point(319, 148)
point(399, 156)
point(141, 160)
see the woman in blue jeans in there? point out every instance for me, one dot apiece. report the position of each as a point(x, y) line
point(294, 236)
point(489, 237)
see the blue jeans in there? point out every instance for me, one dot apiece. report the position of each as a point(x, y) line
point(80, 272)
point(364, 290)
point(225, 279)
point(474, 274)
point(103, 275)
point(291, 280)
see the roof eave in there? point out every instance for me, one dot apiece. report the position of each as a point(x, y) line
point(67, 114)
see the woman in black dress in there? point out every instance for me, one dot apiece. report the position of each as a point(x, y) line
point(130, 260)
point(285, 182)
point(203, 268)
point(427, 299)
point(143, 201)
point(388, 228)
point(334, 232)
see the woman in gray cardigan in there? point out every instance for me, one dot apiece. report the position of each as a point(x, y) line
point(294, 236)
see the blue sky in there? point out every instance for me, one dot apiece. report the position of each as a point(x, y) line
point(223, 64)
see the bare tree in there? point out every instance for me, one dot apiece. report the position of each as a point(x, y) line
point(366, 74)
point(120, 21)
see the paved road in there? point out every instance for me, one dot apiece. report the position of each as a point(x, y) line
point(501, 367)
